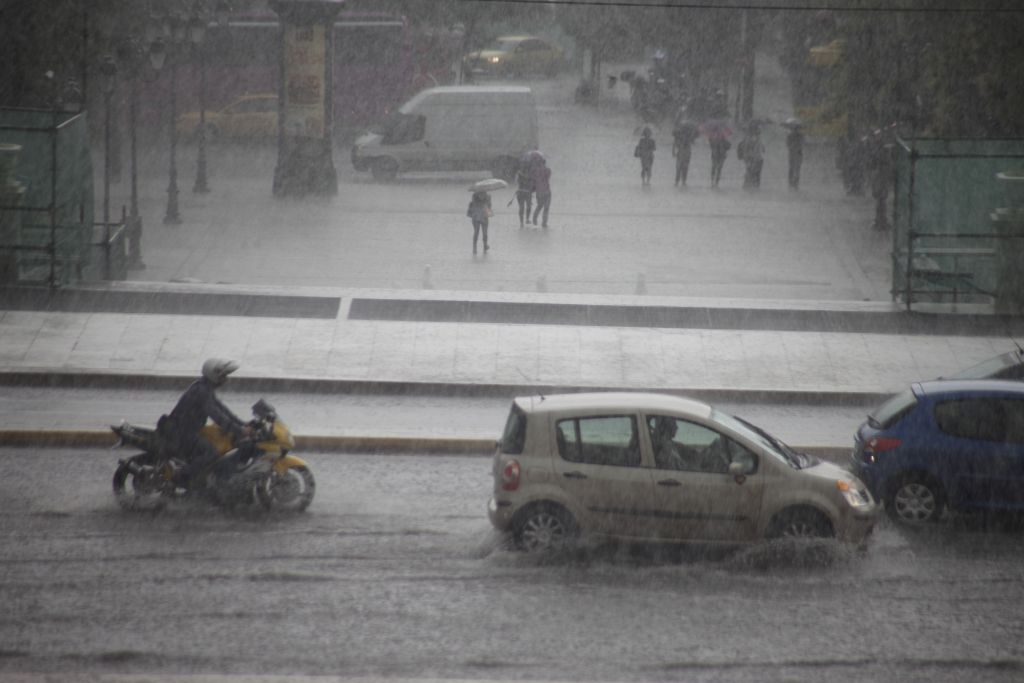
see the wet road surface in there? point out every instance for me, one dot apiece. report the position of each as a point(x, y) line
point(395, 572)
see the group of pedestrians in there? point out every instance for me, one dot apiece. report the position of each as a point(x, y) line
point(533, 180)
point(750, 150)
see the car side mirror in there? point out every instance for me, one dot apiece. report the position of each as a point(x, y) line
point(739, 469)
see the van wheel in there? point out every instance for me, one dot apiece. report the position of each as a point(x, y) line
point(800, 523)
point(505, 168)
point(384, 169)
point(545, 528)
point(915, 500)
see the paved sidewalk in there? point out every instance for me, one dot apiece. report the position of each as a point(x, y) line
point(801, 364)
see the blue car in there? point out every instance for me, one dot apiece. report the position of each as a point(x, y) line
point(945, 443)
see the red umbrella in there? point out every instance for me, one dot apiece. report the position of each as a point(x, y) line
point(715, 129)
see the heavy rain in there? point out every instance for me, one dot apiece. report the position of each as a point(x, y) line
point(538, 340)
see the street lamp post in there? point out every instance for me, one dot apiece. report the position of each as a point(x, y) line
point(108, 69)
point(196, 34)
point(177, 30)
point(131, 54)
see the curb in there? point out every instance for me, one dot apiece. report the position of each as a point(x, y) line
point(365, 444)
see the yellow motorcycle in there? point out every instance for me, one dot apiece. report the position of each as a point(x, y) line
point(258, 469)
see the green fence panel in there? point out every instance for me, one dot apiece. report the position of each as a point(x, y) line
point(54, 235)
point(946, 191)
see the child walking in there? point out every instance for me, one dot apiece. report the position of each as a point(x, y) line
point(479, 211)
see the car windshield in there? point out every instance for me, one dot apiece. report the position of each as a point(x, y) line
point(772, 444)
point(990, 367)
point(501, 45)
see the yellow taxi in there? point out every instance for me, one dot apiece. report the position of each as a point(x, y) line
point(249, 116)
point(515, 56)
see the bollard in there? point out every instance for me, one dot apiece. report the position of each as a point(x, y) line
point(641, 284)
point(542, 284)
point(428, 283)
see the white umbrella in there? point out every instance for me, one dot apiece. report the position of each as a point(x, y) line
point(488, 185)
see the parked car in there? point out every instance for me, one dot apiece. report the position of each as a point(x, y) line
point(1009, 365)
point(515, 56)
point(249, 116)
point(955, 444)
point(651, 467)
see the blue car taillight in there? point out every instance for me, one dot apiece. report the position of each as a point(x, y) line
point(878, 445)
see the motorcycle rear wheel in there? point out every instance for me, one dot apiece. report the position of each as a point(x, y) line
point(291, 491)
point(138, 491)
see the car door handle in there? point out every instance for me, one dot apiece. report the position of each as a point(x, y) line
point(574, 475)
point(669, 482)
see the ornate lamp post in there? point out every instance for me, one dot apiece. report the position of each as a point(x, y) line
point(108, 70)
point(196, 34)
point(132, 54)
point(176, 31)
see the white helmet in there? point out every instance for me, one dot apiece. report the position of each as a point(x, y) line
point(217, 369)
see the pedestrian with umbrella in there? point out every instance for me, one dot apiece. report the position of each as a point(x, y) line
point(717, 133)
point(795, 145)
point(479, 209)
point(683, 135)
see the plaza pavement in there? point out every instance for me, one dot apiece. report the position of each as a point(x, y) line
point(811, 322)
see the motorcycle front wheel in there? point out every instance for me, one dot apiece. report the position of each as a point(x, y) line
point(290, 491)
point(138, 485)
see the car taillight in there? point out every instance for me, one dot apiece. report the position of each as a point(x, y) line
point(510, 476)
point(877, 445)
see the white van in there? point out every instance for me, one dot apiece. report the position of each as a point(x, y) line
point(452, 128)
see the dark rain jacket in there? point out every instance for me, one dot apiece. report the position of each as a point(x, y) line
point(198, 404)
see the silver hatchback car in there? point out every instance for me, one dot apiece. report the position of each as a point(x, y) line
point(653, 467)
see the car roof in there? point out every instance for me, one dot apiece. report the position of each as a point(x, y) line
point(612, 400)
point(937, 387)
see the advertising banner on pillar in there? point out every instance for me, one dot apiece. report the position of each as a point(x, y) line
point(305, 55)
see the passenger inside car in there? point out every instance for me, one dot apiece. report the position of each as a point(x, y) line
point(666, 455)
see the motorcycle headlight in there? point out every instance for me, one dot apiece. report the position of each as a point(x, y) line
point(855, 497)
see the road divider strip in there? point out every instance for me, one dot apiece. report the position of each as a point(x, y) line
point(365, 444)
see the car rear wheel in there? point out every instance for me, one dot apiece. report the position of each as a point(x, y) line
point(801, 523)
point(545, 528)
point(915, 500)
point(384, 169)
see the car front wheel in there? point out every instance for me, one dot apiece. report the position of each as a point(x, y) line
point(915, 500)
point(545, 528)
point(801, 523)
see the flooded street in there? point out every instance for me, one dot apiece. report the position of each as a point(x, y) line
point(395, 572)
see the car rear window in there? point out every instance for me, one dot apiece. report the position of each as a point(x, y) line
point(513, 439)
point(893, 410)
point(604, 440)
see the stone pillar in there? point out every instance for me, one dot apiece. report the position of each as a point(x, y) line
point(305, 144)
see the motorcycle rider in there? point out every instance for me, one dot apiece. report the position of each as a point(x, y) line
point(199, 403)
